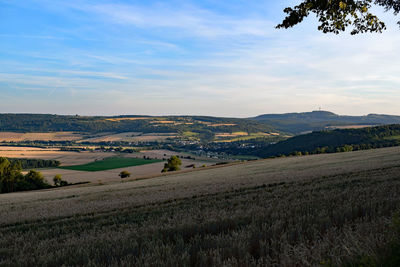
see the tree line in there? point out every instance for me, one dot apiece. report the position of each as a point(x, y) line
point(35, 163)
point(12, 179)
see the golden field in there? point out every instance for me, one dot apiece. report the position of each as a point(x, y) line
point(296, 211)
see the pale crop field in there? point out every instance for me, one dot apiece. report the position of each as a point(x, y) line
point(131, 137)
point(65, 157)
point(52, 136)
point(68, 158)
point(297, 211)
point(99, 177)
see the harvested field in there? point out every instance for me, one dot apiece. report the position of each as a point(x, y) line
point(53, 136)
point(137, 172)
point(73, 158)
point(129, 119)
point(221, 124)
point(132, 137)
point(240, 136)
point(235, 134)
point(163, 122)
point(65, 157)
point(299, 211)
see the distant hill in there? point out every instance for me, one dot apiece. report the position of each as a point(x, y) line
point(330, 141)
point(297, 123)
point(201, 127)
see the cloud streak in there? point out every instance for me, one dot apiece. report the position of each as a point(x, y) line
point(161, 58)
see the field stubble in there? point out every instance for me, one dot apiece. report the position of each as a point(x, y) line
point(296, 211)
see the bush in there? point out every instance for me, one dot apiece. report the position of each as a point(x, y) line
point(58, 181)
point(36, 180)
point(124, 174)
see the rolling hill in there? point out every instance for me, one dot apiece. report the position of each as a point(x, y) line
point(330, 141)
point(297, 123)
point(197, 127)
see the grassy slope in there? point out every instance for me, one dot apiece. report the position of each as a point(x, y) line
point(291, 211)
point(110, 163)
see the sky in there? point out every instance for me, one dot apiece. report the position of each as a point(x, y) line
point(186, 57)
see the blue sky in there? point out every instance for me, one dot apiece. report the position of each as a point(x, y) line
point(220, 58)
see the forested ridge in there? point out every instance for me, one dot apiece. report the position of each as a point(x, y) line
point(331, 141)
point(146, 124)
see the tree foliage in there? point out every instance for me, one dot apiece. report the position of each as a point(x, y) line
point(337, 15)
point(35, 163)
point(173, 164)
point(58, 181)
point(12, 179)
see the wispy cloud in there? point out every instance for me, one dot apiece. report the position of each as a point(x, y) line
point(186, 58)
point(186, 19)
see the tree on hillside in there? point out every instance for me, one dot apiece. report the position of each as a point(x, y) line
point(337, 15)
point(172, 165)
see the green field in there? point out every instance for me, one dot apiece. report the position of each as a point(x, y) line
point(110, 163)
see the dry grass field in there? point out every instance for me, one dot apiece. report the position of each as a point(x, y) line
point(65, 157)
point(129, 119)
point(53, 136)
point(332, 209)
point(137, 172)
point(102, 137)
point(74, 158)
point(131, 137)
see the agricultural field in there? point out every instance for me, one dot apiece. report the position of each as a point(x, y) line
point(52, 136)
point(110, 163)
point(73, 174)
point(329, 209)
point(131, 137)
point(65, 157)
point(241, 136)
